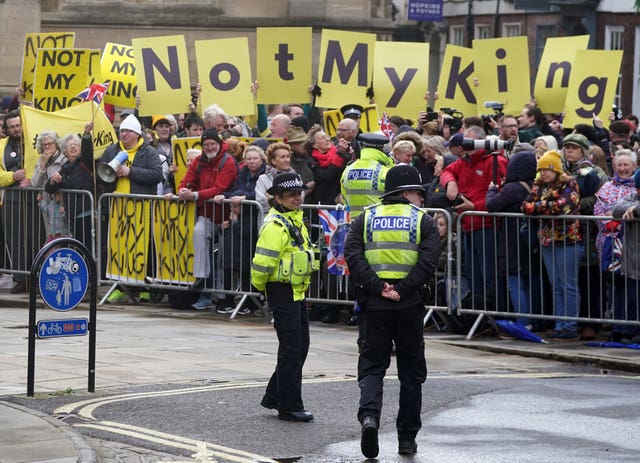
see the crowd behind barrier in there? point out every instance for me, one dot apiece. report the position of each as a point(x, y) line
point(146, 242)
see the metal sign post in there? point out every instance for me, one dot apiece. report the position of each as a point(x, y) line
point(64, 270)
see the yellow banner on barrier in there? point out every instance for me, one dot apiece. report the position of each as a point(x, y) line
point(283, 64)
point(118, 66)
point(502, 69)
point(554, 71)
point(162, 69)
point(225, 75)
point(173, 223)
point(129, 235)
point(401, 77)
point(592, 86)
point(61, 74)
point(179, 147)
point(34, 41)
point(345, 69)
point(68, 120)
point(455, 85)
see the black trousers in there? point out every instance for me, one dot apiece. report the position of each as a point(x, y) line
point(404, 328)
point(291, 321)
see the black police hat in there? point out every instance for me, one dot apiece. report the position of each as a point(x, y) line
point(400, 178)
point(286, 181)
point(372, 140)
point(352, 111)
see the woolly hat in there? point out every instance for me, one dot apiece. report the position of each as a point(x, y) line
point(550, 141)
point(211, 134)
point(155, 120)
point(131, 123)
point(636, 179)
point(578, 140)
point(551, 160)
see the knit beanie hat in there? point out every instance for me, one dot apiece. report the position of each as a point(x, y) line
point(578, 140)
point(551, 160)
point(211, 134)
point(636, 179)
point(131, 123)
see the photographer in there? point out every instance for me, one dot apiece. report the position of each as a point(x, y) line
point(470, 177)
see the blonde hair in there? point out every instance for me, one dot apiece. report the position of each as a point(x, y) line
point(403, 146)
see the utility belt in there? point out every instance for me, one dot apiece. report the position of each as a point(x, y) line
point(296, 267)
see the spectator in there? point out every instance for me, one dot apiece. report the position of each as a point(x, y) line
point(297, 139)
point(433, 145)
point(403, 152)
point(530, 123)
point(556, 193)
point(77, 174)
point(508, 128)
point(346, 140)
point(327, 167)
point(278, 126)
point(214, 118)
point(626, 295)
point(193, 125)
point(50, 162)
point(278, 161)
point(213, 173)
point(161, 125)
point(545, 143)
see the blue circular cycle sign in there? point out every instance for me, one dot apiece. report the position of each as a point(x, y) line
point(64, 279)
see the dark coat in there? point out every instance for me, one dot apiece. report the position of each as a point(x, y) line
point(514, 247)
point(146, 169)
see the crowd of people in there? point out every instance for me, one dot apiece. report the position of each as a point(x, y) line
point(544, 169)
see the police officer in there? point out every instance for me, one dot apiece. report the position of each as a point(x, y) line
point(392, 251)
point(282, 267)
point(362, 181)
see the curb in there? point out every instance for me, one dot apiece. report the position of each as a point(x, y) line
point(85, 452)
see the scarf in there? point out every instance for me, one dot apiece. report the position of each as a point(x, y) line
point(331, 157)
point(123, 185)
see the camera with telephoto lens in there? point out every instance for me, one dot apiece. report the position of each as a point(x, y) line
point(489, 144)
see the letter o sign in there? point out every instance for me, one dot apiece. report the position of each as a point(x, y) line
point(233, 80)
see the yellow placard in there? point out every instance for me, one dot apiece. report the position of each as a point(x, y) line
point(369, 121)
point(61, 74)
point(401, 77)
point(502, 69)
point(118, 66)
point(283, 64)
point(34, 41)
point(455, 86)
point(180, 147)
point(69, 120)
point(345, 69)
point(173, 223)
point(331, 119)
point(129, 235)
point(592, 86)
point(162, 69)
point(554, 71)
point(224, 71)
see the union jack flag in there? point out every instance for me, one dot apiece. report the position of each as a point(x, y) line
point(94, 92)
point(335, 231)
point(385, 126)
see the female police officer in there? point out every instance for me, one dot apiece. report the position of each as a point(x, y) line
point(392, 251)
point(282, 265)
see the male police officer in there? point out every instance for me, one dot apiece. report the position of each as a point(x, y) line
point(392, 250)
point(362, 181)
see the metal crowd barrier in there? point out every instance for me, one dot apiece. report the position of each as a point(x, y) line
point(498, 257)
point(30, 217)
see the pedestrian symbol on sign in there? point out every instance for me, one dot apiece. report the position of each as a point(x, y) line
point(64, 279)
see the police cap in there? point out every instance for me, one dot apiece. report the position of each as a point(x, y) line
point(400, 178)
point(372, 140)
point(286, 181)
point(352, 111)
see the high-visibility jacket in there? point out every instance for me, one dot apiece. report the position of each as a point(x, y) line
point(282, 257)
point(391, 238)
point(362, 181)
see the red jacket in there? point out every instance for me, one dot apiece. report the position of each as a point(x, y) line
point(205, 177)
point(473, 176)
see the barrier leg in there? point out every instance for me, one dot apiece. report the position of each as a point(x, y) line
point(474, 327)
point(238, 305)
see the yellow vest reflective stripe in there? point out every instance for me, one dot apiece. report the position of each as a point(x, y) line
point(362, 183)
point(391, 238)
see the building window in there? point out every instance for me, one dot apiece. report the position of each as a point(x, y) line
point(614, 40)
point(511, 30)
point(543, 32)
point(483, 32)
point(457, 36)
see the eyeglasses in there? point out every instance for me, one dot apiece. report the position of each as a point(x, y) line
point(48, 144)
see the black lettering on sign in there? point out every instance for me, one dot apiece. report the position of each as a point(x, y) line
point(120, 50)
point(172, 218)
point(335, 57)
point(128, 244)
point(153, 62)
point(53, 103)
point(503, 86)
point(233, 77)
point(283, 57)
point(458, 78)
point(121, 89)
point(58, 81)
point(563, 66)
point(400, 86)
point(127, 69)
point(599, 84)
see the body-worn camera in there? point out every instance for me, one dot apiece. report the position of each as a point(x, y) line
point(490, 144)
